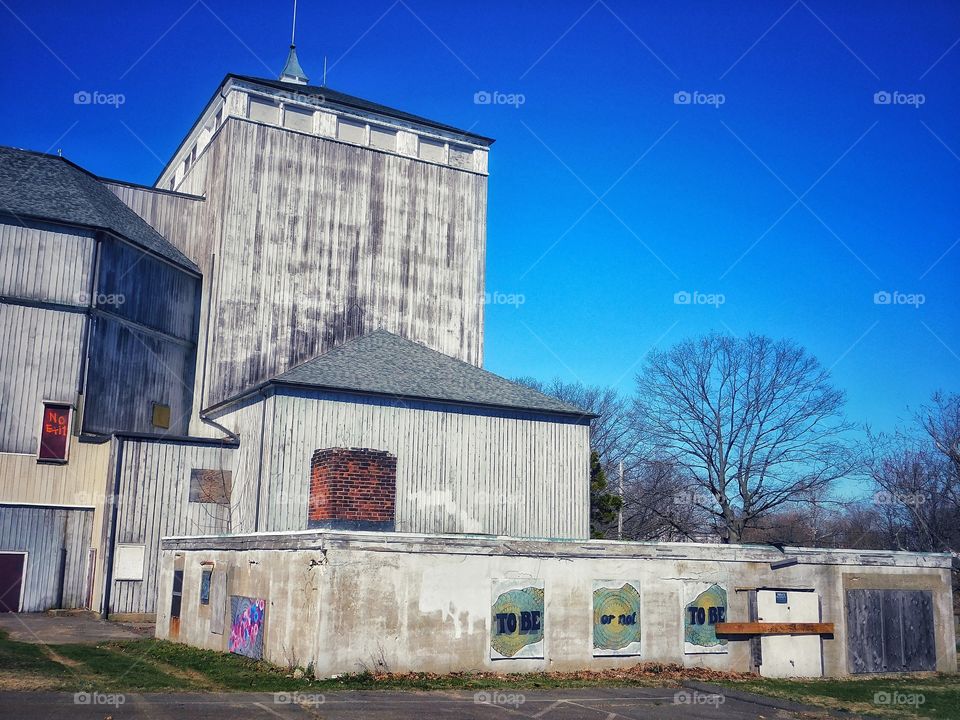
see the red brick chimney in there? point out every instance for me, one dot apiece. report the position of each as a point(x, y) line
point(352, 489)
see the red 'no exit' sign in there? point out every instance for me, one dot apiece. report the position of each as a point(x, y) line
point(54, 432)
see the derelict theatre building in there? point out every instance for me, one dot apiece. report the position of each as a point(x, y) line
point(248, 402)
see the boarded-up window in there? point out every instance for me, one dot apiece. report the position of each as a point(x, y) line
point(263, 111)
point(432, 151)
point(890, 631)
point(461, 157)
point(298, 119)
point(351, 131)
point(210, 486)
point(383, 138)
point(218, 602)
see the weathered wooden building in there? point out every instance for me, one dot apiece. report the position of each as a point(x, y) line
point(306, 273)
point(250, 399)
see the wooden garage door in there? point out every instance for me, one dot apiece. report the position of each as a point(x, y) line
point(890, 631)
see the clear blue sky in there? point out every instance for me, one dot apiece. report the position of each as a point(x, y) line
point(694, 197)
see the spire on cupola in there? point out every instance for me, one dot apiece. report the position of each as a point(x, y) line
point(292, 72)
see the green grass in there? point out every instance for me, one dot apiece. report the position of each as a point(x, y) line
point(940, 693)
point(149, 665)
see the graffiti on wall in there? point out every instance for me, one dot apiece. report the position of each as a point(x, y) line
point(246, 626)
point(516, 619)
point(616, 617)
point(700, 617)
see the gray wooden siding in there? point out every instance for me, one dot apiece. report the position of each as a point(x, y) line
point(45, 263)
point(154, 503)
point(890, 631)
point(306, 241)
point(458, 471)
point(142, 350)
point(44, 533)
point(39, 359)
point(322, 241)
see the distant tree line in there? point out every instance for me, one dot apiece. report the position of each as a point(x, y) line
point(743, 439)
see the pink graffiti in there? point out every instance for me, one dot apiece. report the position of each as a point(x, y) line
point(246, 627)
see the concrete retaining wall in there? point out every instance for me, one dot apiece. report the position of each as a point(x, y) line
point(349, 601)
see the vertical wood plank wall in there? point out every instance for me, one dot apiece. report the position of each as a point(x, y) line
point(317, 241)
point(458, 471)
point(40, 352)
point(155, 502)
point(43, 533)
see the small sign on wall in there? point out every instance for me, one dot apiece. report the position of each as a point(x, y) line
point(516, 619)
point(616, 617)
point(129, 562)
point(55, 432)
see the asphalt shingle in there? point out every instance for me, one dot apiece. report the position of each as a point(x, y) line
point(46, 187)
point(386, 364)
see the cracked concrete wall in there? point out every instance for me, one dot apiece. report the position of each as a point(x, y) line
point(346, 602)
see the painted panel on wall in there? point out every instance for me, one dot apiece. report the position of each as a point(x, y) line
point(616, 617)
point(246, 626)
point(516, 619)
point(218, 601)
point(706, 605)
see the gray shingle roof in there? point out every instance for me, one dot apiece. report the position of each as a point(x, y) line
point(386, 364)
point(46, 187)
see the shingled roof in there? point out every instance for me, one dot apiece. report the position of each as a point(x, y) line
point(38, 186)
point(382, 363)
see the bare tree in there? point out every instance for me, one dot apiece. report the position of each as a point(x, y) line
point(754, 423)
point(917, 479)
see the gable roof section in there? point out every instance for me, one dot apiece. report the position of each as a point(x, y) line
point(381, 363)
point(47, 187)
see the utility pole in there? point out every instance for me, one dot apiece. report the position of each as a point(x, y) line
point(620, 518)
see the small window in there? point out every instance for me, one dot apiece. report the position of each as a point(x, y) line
point(264, 111)
point(432, 150)
point(218, 118)
point(54, 433)
point(298, 119)
point(161, 416)
point(205, 576)
point(353, 132)
point(383, 138)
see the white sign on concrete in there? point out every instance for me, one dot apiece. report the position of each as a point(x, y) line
point(517, 619)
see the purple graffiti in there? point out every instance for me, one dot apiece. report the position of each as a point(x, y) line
point(246, 630)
